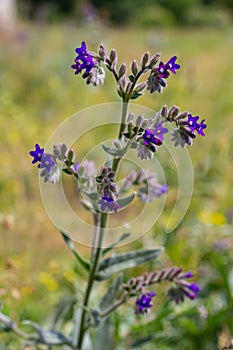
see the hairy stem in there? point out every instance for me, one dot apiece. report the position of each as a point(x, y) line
point(93, 271)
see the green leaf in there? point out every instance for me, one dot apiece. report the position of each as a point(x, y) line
point(123, 202)
point(114, 244)
point(131, 78)
point(70, 244)
point(67, 171)
point(49, 337)
point(113, 151)
point(104, 336)
point(135, 95)
point(125, 261)
point(111, 294)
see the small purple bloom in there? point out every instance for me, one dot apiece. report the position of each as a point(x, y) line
point(82, 51)
point(159, 131)
point(188, 274)
point(144, 303)
point(75, 167)
point(47, 162)
point(37, 154)
point(149, 138)
point(108, 203)
point(83, 61)
point(195, 126)
point(194, 288)
point(161, 190)
point(170, 65)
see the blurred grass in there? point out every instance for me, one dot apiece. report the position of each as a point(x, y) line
point(38, 91)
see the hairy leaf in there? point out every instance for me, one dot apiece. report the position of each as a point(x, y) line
point(124, 261)
point(114, 244)
point(70, 244)
point(111, 294)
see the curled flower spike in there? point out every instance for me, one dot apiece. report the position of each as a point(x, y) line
point(37, 154)
point(144, 303)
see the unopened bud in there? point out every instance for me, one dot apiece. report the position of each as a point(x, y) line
point(173, 113)
point(164, 111)
point(139, 121)
point(130, 118)
point(145, 59)
point(154, 59)
point(140, 87)
point(182, 115)
point(113, 56)
point(122, 70)
point(102, 51)
point(134, 67)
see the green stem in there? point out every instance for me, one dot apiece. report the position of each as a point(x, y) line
point(93, 271)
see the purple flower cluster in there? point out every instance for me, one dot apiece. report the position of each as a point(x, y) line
point(157, 79)
point(108, 203)
point(185, 132)
point(144, 303)
point(184, 289)
point(45, 160)
point(83, 61)
point(153, 138)
point(193, 125)
point(171, 65)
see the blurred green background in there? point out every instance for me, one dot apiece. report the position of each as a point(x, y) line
point(38, 90)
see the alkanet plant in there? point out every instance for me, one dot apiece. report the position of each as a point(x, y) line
point(103, 196)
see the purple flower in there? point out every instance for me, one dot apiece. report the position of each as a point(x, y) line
point(144, 303)
point(82, 51)
point(149, 138)
point(47, 162)
point(194, 288)
point(188, 274)
point(75, 167)
point(108, 203)
point(193, 125)
point(160, 190)
point(170, 65)
point(159, 131)
point(37, 154)
point(83, 61)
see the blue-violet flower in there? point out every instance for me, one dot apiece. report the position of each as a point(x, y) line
point(144, 303)
point(37, 154)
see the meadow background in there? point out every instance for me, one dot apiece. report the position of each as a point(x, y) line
point(38, 90)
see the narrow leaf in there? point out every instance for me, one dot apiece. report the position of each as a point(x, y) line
point(48, 337)
point(114, 244)
point(123, 202)
point(111, 294)
point(124, 261)
point(70, 244)
point(104, 336)
point(113, 151)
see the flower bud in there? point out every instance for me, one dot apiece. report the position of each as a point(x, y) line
point(122, 70)
point(182, 115)
point(140, 87)
point(102, 51)
point(113, 56)
point(144, 59)
point(164, 111)
point(130, 118)
point(134, 67)
point(139, 121)
point(154, 59)
point(173, 113)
